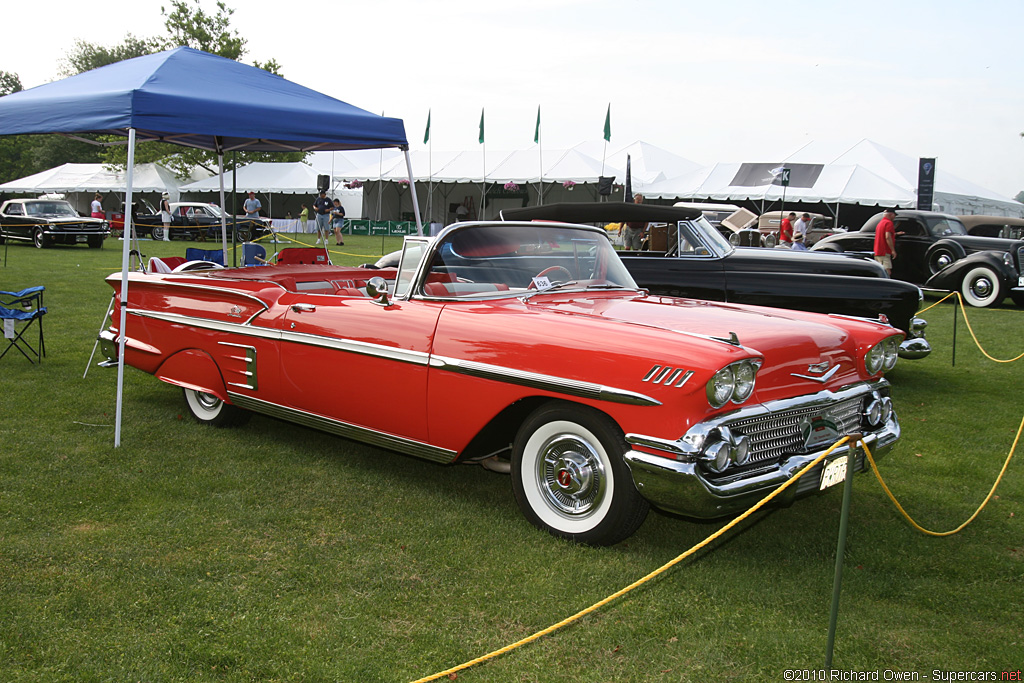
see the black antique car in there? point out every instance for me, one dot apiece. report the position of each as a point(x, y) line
point(689, 258)
point(935, 250)
point(45, 222)
point(195, 220)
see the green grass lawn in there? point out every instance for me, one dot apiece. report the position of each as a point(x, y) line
point(277, 553)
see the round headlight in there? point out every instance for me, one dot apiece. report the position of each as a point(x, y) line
point(743, 376)
point(741, 450)
point(720, 387)
point(874, 412)
point(717, 456)
point(892, 347)
point(874, 359)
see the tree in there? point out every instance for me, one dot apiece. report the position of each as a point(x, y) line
point(189, 25)
point(87, 56)
point(207, 32)
point(23, 155)
point(1020, 197)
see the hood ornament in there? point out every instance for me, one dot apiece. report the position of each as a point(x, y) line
point(819, 372)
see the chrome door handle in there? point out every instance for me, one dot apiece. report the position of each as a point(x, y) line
point(303, 308)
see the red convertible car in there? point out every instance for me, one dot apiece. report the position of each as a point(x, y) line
point(528, 348)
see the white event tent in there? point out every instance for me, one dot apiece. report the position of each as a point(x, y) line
point(862, 174)
point(90, 178)
point(268, 179)
point(446, 180)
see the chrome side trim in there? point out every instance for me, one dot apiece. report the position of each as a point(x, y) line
point(496, 373)
point(242, 328)
point(545, 382)
point(676, 377)
point(249, 361)
point(344, 429)
point(170, 280)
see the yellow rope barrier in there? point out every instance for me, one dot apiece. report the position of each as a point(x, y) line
point(639, 582)
point(975, 337)
point(917, 526)
point(963, 310)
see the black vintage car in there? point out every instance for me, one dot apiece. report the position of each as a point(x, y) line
point(45, 222)
point(196, 220)
point(935, 250)
point(689, 258)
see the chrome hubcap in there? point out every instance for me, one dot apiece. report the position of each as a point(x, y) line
point(981, 288)
point(571, 475)
point(207, 401)
point(943, 261)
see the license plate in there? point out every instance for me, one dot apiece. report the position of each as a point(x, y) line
point(834, 472)
point(81, 238)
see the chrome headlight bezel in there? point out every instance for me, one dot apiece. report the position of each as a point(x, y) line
point(874, 359)
point(734, 383)
point(720, 387)
point(882, 356)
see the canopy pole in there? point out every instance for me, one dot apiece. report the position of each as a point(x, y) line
point(412, 188)
point(125, 251)
point(223, 213)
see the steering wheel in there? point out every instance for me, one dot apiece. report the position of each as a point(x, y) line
point(546, 271)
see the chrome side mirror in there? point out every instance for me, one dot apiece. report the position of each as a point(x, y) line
point(377, 289)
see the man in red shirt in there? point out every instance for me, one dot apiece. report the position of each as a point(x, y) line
point(885, 240)
point(786, 231)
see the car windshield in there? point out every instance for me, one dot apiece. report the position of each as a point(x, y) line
point(50, 208)
point(942, 227)
point(707, 233)
point(486, 261)
point(208, 209)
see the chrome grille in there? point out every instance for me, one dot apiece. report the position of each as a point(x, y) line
point(777, 434)
point(1020, 261)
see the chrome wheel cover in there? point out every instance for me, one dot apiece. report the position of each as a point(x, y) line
point(570, 475)
point(982, 287)
point(207, 402)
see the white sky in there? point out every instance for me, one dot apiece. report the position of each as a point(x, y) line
point(725, 80)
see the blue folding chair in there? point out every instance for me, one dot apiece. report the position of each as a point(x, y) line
point(253, 254)
point(23, 308)
point(211, 255)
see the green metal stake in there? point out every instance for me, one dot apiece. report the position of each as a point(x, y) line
point(844, 518)
point(956, 304)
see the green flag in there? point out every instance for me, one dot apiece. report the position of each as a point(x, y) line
point(536, 131)
point(426, 135)
point(481, 126)
point(608, 124)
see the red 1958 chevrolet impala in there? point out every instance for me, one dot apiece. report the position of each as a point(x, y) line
point(528, 348)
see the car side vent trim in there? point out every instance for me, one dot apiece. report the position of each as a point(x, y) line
point(669, 376)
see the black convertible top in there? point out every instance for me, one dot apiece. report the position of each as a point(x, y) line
point(600, 212)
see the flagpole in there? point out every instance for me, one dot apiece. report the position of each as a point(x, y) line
point(607, 135)
point(540, 156)
point(483, 185)
point(380, 180)
point(430, 173)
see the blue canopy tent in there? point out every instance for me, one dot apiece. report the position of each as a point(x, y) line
point(192, 98)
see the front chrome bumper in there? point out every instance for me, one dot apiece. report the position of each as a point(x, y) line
point(915, 346)
point(684, 487)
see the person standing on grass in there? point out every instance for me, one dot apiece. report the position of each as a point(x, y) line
point(322, 205)
point(885, 240)
point(165, 215)
point(97, 206)
point(786, 231)
point(304, 218)
point(800, 232)
point(338, 221)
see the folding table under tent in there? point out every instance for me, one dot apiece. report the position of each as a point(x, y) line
point(195, 99)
